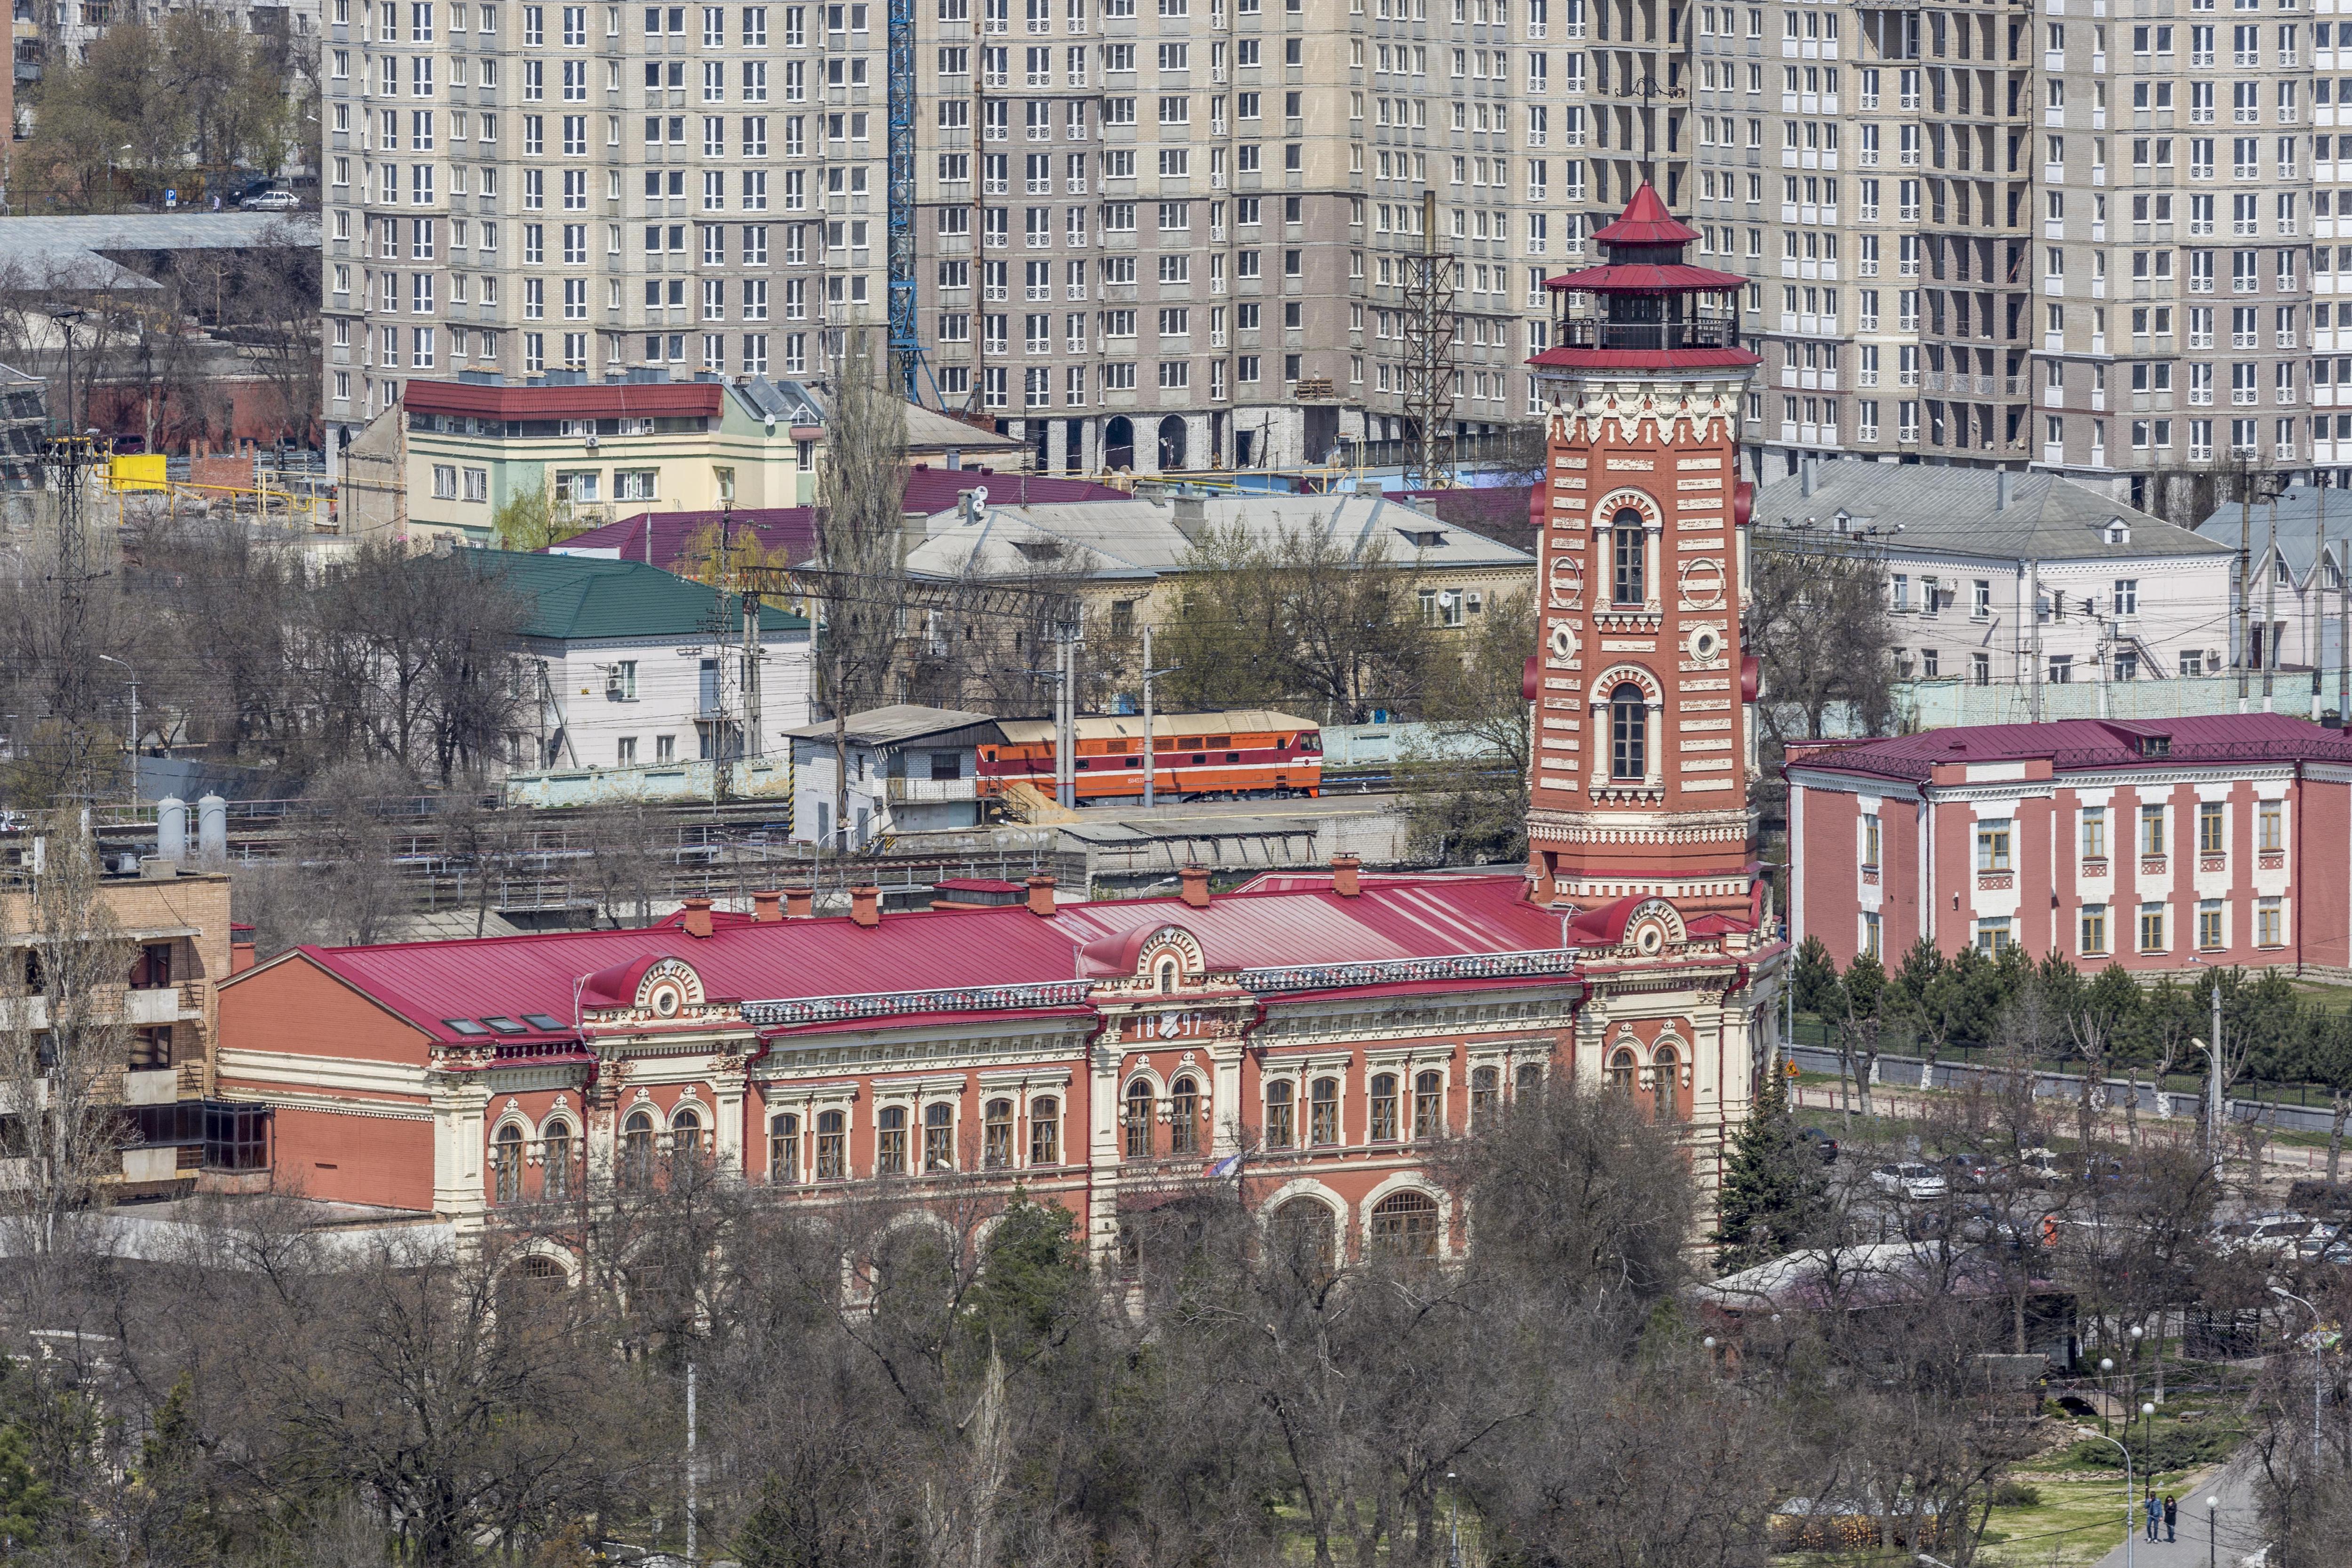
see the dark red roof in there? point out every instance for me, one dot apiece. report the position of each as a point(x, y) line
point(660, 538)
point(1644, 277)
point(2089, 744)
point(1399, 918)
point(793, 529)
point(1646, 221)
point(603, 400)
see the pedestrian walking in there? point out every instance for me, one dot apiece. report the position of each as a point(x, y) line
point(2155, 1515)
point(2171, 1514)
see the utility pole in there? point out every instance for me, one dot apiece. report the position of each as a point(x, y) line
point(2033, 608)
point(1067, 640)
point(2270, 607)
point(1150, 758)
point(2319, 593)
point(2245, 543)
point(2343, 639)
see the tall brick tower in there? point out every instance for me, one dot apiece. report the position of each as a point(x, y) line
point(1640, 682)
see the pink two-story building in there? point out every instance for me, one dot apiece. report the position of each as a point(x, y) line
point(2223, 840)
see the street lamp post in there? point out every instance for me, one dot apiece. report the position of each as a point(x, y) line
point(2147, 1438)
point(1454, 1549)
point(2316, 1374)
point(2212, 1533)
point(2106, 1369)
point(133, 747)
point(2129, 1533)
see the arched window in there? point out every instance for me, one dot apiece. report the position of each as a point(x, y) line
point(1629, 734)
point(638, 1149)
point(938, 1136)
point(1046, 1131)
point(890, 1141)
point(1529, 1080)
point(1167, 977)
point(1404, 1225)
point(505, 1162)
point(1307, 1235)
point(832, 1146)
point(1323, 1111)
point(555, 1150)
point(1624, 1066)
point(686, 1134)
point(1137, 1120)
point(997, 1135)
point(1428, 1105)
point(783, 1150)
point(1628, 546)
point(1485, 1097)
point(1281, 1115)
point(1665, 1080)
point(1384, 1108)
point(1183, 1117)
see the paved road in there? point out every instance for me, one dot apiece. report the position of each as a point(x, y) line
point(2235, 1533)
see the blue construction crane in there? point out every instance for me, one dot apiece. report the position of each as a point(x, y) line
point(906, 344)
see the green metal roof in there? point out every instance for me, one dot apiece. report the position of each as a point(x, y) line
point(578, 598)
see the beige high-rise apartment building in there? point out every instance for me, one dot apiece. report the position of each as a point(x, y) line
point(596, 189)
point(1179, 233)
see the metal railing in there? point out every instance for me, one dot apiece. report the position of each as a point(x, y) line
point(1655, 336)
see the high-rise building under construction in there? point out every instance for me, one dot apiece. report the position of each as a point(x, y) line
point(1195, 234)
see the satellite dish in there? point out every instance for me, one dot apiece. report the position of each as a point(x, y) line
point(980, 495)
point(772, 424)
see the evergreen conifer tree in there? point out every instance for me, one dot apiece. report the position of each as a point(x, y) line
point(1773, 1186)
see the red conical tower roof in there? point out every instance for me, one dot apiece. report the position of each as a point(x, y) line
point(1646, 221)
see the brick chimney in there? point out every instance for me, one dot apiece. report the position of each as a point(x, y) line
point(698, 917)
point(1196, 886)
point(799, 904)
point(1343, 875)
point(865, 906)
point(765, 910)
point(1041, 895)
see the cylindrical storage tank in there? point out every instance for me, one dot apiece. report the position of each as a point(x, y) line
point(172, 828)
point(212, 828)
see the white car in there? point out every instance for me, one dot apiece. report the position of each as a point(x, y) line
point(271, 202)
point(2266, 1233)
point(1909, 1180)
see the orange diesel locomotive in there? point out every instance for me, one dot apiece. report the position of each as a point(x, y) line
point(1195, 756)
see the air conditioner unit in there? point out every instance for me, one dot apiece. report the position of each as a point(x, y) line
point(592, 442)
point(613, 687)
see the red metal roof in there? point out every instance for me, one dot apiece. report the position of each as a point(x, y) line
point(2087, 745)
point(660, 538)
point(1646, 221)
point(1406, 918)
point(1647, 359)
point(605, 400)
point(1646, 278)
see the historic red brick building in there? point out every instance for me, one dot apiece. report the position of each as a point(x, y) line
point(1308, 1036)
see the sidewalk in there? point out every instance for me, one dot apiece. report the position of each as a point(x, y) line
point(2235, 1533)
point(1900, 1103)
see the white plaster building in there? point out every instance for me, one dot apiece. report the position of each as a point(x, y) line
point(2121, 595)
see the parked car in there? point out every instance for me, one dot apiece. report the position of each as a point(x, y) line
point(1967, 1171)
point(1814, 1138)
point(2320, 1239)
point(1977, 1224)
point(271, 202)
point(2039, 1168)
point(1909, 1179)
point(2264, 1234)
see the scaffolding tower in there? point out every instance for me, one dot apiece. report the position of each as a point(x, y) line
point(1429, 357)
point(906, 341)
